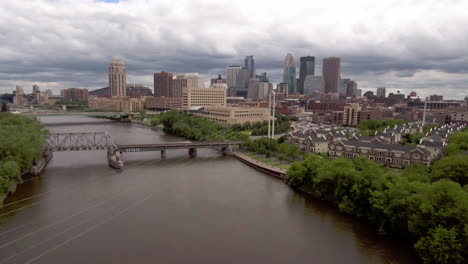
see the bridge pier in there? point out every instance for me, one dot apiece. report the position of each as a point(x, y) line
point(163, 153)
point(192, 152)
point(115, 159)
point(226, 150)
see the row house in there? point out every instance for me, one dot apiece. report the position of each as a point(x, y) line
point(369, 139)
point(307, 143)
point(391, 155)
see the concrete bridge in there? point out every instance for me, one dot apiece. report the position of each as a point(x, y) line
point(56, 142)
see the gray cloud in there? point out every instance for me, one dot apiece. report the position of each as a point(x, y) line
point(62, 43)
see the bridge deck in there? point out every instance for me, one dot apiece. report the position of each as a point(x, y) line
point(173, 145)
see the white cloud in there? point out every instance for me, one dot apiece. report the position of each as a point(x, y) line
point(62, 43)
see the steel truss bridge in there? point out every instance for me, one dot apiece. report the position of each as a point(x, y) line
point(55, 142)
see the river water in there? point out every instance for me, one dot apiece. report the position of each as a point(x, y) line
point(207, 209)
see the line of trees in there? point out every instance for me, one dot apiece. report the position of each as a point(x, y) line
point(282, 125)
point(427, 206)
point(194, 127)
point(21, 142)
point(271, 147)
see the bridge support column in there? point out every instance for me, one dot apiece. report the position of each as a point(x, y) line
point(115, 159)
point(163, 153)
point(226, 150)
point(192, 152)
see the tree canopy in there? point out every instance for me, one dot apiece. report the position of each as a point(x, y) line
point(21, 142)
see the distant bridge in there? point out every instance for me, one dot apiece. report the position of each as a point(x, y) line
point(103, 141)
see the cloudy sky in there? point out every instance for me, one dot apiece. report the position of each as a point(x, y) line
point(419, 45)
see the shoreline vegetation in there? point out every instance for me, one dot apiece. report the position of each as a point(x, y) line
point(22, 140)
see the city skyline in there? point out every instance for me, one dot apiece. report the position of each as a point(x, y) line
point(427, 57)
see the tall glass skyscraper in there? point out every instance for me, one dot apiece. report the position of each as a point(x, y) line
point(307, 68)
point(289, 74)
point(249, 64)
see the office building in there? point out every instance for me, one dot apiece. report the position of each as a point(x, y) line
point(307, 67)
point(344, 86)
point(74, 94)
point(249, 65)
point(35, 88)
point(234, 115)
point(163, 103)
point(331, 73)
point(282, 88)
point(350, 114)
point(289, 74)
point(178, 85)
point(200, 97)
point(253, 88)
point(163, 84)
point(435, 98)
point(352, 89)
point(381, 92)
point(242, 82)
point(313, 84)
point(231, 75)
point(194, 80)
point(117, 78)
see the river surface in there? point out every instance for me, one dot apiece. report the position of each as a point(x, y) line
point(207, 209)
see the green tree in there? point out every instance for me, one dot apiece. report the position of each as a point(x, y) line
point(440, 246)
point(453, 168)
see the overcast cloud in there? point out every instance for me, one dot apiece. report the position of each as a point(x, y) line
point(419, 45)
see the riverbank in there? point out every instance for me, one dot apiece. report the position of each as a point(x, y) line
point(259, 165)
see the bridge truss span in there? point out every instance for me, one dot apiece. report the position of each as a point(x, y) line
point(79, 141)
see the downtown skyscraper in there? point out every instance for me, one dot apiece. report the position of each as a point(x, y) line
point(331, 73)
point(117, 78)
point(249, 65)
point(307, 67)
point(289, 74)
point(163, 84)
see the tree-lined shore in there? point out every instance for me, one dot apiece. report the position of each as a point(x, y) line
point(21, 142)
point(428, 206)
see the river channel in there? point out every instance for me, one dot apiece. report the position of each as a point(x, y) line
point(206, 209)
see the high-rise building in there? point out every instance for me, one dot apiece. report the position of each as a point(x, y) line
point(313, 84)
point(249, 65)
point(289, 73)
point(307, 67)
point(263, 77)
point(36, 88)
point(178, 85)
point(381, 91)
point(163, 84)
point(263, 90)
point(231, 75)
point(242, 82)
point(194, 80)
point(282, 88)
point(331, 72)
point(253, 88)
point(352, 89)
point(358, 92)
point(344, 86)
point(117, 78)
